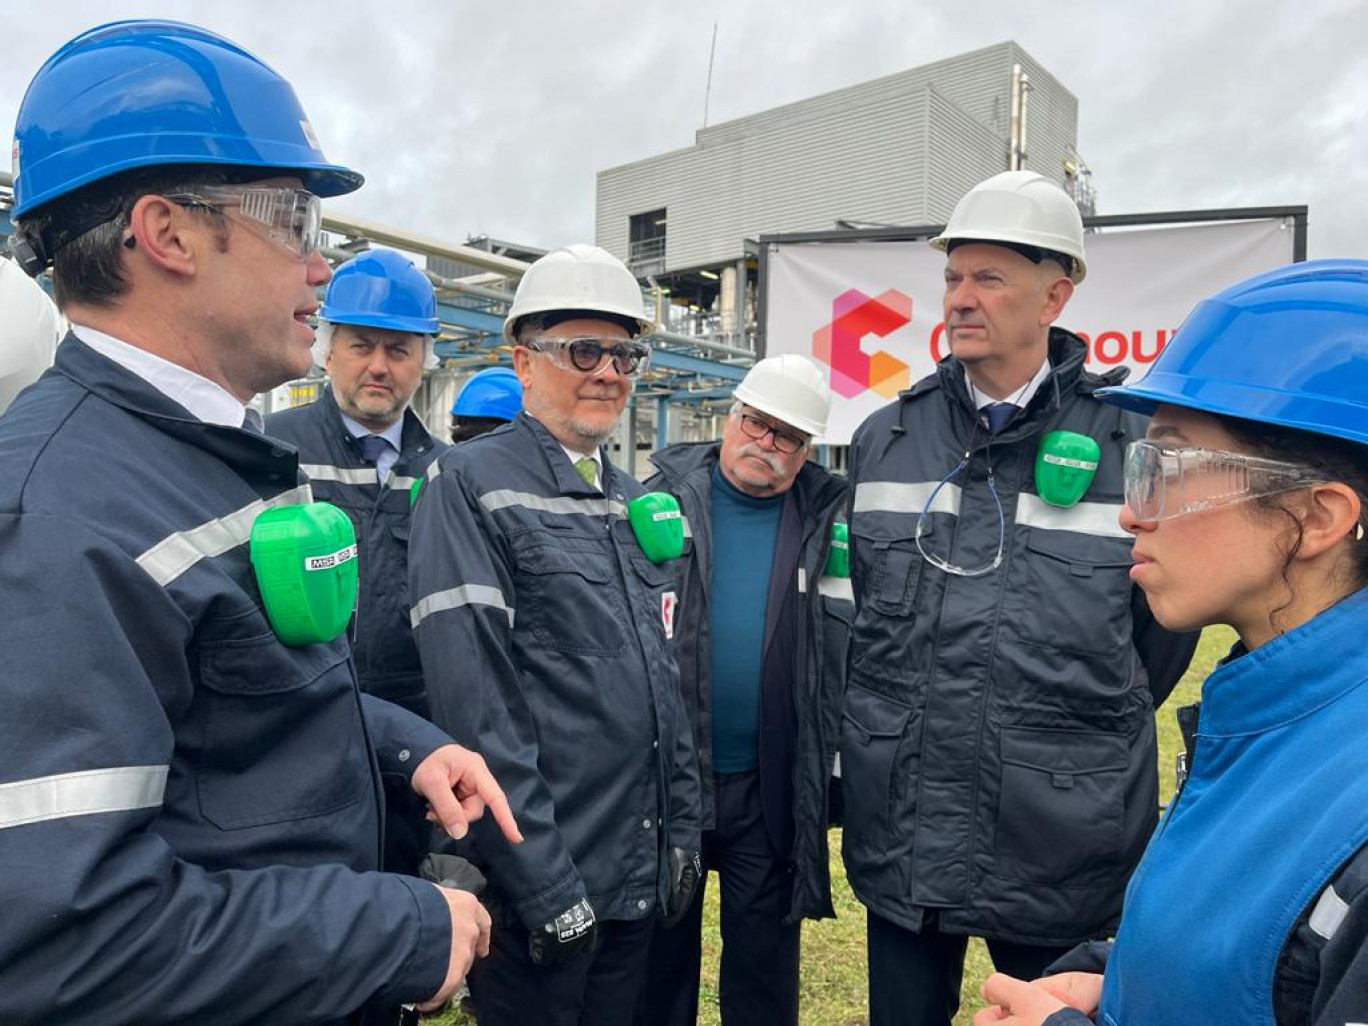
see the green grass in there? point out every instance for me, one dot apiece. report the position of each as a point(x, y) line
point(833, 975)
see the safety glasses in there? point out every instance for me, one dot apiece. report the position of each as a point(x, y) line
point(587, 354)
point(291, 217)
point(940, 562)
point(1162, 482)
point(785, 441)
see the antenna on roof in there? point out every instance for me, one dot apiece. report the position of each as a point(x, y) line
point(707, 93)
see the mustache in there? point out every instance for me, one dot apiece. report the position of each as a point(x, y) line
point(770, 460)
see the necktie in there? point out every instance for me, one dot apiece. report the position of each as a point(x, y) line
point(251, 421)
point(998, 415)
point(587, 469)
point(372, 447)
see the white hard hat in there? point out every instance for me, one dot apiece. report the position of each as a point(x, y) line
point(30, 328)
point(790, 388)
point(1022, 208)
point(578, 277)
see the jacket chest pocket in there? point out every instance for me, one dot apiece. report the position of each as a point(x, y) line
point(893, 568)
point(570, 600)
point(1071, 591)
point(659, 590)
point(282, 737)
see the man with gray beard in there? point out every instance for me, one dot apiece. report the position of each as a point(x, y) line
point(545, 631)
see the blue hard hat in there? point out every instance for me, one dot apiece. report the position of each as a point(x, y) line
point(138, 94)
point(493, 392)
point(1289, 347)
point(381, 289)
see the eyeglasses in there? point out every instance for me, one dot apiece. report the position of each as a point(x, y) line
point(587, 354)
point(940, 562)
point(291, 217)
point(1162, 482)
point(784, 441)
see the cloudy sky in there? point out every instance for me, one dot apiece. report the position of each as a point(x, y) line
point(493, 118)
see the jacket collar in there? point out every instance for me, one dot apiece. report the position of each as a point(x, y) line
point(568, 481)
point(416, 439)
point(246, 451)
point(1290, 676)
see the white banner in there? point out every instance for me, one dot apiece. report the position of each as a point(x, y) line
point(870, 312)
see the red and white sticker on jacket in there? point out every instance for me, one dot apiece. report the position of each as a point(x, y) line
point(668, 605)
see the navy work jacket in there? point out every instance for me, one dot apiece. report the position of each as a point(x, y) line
point(190, 811)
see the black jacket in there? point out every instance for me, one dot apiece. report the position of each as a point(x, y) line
point(190, 811)
point(387, 662)
point(986, 717)
point(544, 634)
point(807, 635)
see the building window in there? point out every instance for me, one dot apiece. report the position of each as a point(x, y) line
point(646, 243)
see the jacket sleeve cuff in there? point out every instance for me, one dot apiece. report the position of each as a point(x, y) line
point(426, 968)
point(541, 908)
point(1067, 1017)
point(402, 739)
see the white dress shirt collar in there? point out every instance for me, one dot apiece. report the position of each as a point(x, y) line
point(204, 399)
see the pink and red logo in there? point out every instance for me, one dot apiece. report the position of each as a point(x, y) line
point(853, 316)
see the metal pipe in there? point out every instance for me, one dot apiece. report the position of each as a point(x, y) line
point(698, 342)
point(357, 228)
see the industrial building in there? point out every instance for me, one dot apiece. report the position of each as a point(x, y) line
point(897, 151)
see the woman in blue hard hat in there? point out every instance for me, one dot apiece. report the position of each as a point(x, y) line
point(1248, 500)
point(491, 398)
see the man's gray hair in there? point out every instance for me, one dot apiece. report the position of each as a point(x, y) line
point(323, 339)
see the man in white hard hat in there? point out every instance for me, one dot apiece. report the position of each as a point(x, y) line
point(545, 632)
point(761, 648)
point(1004, 671)
point(30, 328)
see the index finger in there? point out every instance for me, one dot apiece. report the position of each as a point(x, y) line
point(497, 803)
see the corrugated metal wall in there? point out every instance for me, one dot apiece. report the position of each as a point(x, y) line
point(898, 150)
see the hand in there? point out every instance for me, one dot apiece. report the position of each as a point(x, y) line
point(570, 933)
point(685, 872)
point(469, 941)
point(1015, 1003)
point(458, 787)
point(1077, 990)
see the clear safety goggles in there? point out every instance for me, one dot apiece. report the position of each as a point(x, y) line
point(586, 354)
point(291, 217)
point(1163, 482)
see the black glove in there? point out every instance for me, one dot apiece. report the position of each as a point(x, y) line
point(685, 872)
point(569, 934)
point(452, 871)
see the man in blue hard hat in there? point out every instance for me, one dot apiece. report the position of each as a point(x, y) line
point(190, 809)
point(491, 398)
point(363, 448)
